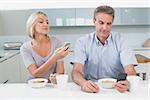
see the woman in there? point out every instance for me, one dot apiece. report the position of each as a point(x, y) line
point(42, 55)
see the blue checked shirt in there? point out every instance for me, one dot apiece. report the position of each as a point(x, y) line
point(103, 61)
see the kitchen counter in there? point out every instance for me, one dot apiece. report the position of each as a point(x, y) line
point(142, 59)
point(141, 48)
point(143, 51)
point(6, 54)
point(23, 91)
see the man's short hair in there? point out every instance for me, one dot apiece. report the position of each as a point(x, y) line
point(104, 9)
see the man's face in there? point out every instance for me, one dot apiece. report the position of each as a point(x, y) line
point(103, 24)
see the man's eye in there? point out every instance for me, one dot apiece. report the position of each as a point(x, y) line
point(108, 23)
point(101, 22)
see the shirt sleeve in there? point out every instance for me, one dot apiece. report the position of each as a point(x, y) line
point(79, 55)
point(26, 56)
point(127, 55)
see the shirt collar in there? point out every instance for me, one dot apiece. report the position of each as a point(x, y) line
point(107, 41)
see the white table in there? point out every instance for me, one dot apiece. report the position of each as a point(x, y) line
point(22, 91)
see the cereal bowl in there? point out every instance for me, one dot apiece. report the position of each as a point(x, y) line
point(107, 83)
point(37, 82)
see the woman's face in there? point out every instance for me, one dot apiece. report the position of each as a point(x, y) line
point(42, 26)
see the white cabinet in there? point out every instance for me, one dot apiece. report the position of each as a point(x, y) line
point(58, 17)
point(135, 16)
point(23, 70)
point(84, 16)
point(10, 70)
point(13, 70)
point(72, 17)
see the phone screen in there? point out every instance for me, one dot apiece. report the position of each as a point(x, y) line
point(121, 77)
point(67, 44)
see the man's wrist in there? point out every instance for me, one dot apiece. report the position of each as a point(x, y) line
point(83, 83)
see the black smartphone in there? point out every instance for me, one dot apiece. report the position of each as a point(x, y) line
point(121, 77)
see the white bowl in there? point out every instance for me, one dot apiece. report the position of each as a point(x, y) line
point(37, 82)
point(107, 83)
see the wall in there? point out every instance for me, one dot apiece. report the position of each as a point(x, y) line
point(135, 34)
point(13, 22)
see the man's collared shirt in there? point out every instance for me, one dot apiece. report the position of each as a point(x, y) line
point(103, 61)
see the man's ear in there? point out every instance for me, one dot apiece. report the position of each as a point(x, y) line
point(94, 20)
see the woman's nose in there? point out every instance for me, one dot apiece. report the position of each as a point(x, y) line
point(45, 24)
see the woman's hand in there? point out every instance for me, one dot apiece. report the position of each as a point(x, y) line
point(61, 52)
point(52, 78)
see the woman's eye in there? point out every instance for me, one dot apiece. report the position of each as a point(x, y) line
point(40, 22)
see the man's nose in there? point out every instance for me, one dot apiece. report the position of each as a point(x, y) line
point(104, 27)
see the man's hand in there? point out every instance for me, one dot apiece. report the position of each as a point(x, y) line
point(122, 86)
point(90, 87)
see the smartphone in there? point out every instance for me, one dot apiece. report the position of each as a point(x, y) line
point(121, 77)
point(67, 44)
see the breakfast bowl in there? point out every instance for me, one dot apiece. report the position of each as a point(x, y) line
point(107, 83)
point(37, 82)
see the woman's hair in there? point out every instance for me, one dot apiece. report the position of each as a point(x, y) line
point(104, 9)
point(32, 20)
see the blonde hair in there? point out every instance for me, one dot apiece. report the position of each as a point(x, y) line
point(32, 21)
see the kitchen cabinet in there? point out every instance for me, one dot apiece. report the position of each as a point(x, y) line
point(23, 70)
point(10, 70)
point(135, 16)
point(14, 21)
point(59, 17)
point(84, 16)
point(13, 70)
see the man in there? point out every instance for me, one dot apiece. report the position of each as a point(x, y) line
point(102, 54)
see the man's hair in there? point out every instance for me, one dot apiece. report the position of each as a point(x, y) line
point(104, 9)
point(32, 20)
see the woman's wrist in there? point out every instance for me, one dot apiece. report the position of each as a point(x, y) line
point(54, 58)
